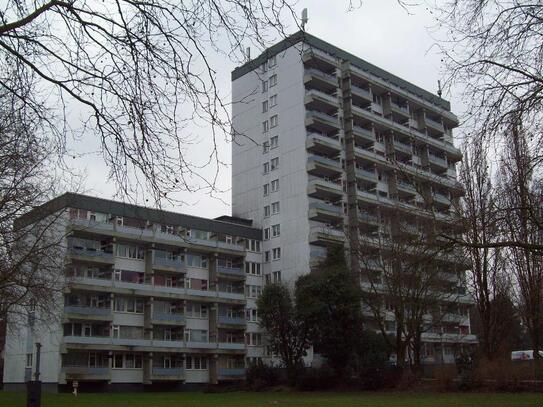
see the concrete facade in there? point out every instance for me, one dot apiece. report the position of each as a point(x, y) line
point(356, 146)
point(145, 302)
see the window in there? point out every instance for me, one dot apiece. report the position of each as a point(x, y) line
point(267, 256)
point(131, 251)
point(196, 335)
point(274, 142)
point(194, 260)
point(274, 163)
point(272, 61)
point(266, 234)
point(377, 99)
point(253, 291)
point(129, 304)
point(272, 81)
point(276, 230)
point(253, 245)
point(275, 185)
point(252, 268)
point(196, 363)
point(267, 211)
point(251, 314)
point(196, 310)
point(274, 121)
point(276, 276)
point(276, 253)
point(265, 126)
point(265, 147)
point(127, 361)
point(254, 339)
point(264, 86)
point(273, 100)
point(29, 360)
point(266, 189)
point(275, 208)
point(265, 106)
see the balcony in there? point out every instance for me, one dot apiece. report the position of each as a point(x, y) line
point(368, 218)
point(323, 211)
point(167, 373)
point(406, 187)
point(441, 199)
point(402, 110)
point(403, 147)
point(434, 125)
point(369, 155)
point(321, 120)
point(324, 189)
point(229, 373)
point(83, 373)
point(363, 133)
point(231, 321)
point(323, 144)
point(318, 97)
point(311, 74)
point(90, 255)
point(169, 264)
point(323, 235)
point(439, 162)
point(88, 313)
point(165, 318)
point(231, 272)
point(323, 165)
point(91, 226)
point(361, 92)
point(366, 175)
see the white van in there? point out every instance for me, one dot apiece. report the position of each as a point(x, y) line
point(525, 355)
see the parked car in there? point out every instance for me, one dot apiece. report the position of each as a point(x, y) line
point(525, 355)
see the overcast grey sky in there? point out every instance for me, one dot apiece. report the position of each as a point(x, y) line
point(380, 31)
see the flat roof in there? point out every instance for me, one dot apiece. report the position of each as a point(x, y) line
point(117, 208)
point(302, 36)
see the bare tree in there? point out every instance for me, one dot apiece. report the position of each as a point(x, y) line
point(521, 196)
point(488, 280)
point(134, 74)
point(492, 51)
point(30, 261)
point(408, 272)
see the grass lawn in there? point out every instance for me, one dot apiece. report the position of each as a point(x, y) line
point(279, 399)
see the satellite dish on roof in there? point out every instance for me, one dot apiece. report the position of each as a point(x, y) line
point(304, 18)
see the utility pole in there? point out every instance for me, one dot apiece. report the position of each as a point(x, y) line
point(33, 387)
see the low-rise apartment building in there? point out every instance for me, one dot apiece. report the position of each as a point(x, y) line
point(150, 297)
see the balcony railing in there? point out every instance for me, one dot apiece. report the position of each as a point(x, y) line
point(367, 217)
point(229, 372)
point(168, 317)
point(322, 95)
point(88, 252)
point(406, 148)
point(226, 320)
point(361, 92)
point(365, 133)
point(168, 371)
point(438, 160)
point(325, 161)
point(434, 124)
point(231, 271)
point(403, 109)
point(91, 311)
point(326, 207)
point(320, 74)
point(360, 172)
point(323, 116)
point(175, 263)
point(85, 371)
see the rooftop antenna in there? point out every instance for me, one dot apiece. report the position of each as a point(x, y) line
point(439, 90)
point(304, 18)
point(248, 53)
